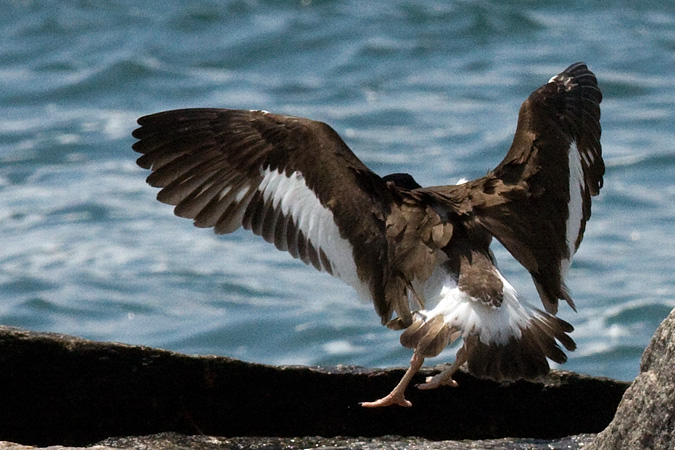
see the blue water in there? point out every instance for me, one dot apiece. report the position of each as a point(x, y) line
point(428, 87)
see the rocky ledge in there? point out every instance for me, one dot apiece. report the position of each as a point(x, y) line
point(645, 419)
point(175, 441)
point(62, 390)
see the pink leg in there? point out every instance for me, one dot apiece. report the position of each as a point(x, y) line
point(397, 396)
point(444, 378)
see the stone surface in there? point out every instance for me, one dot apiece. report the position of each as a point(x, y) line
point(61, 390)
point(645, 418)
point(174, 441)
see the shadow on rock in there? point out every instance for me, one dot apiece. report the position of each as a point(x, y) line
point(60, 389)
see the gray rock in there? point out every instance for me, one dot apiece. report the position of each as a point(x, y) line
point(174, 441)
point(645, 418)
point(170, 441)
point(61, 390)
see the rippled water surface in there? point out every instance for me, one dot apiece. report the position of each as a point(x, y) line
point(428, 87)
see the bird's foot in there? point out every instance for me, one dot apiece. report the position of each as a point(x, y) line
point(397, 396)
point(441, 379)
point(393, 398)
point(445, 377)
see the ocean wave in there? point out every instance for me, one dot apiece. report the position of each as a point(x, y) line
point(428, 87)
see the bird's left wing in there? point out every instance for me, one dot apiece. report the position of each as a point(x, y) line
point(537, 200)
point(291, 180)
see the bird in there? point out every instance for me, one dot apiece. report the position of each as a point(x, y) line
point(421, 255)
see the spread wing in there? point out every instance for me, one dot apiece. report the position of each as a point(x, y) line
point(547, 179)
point(292, 181)
point(537, 200)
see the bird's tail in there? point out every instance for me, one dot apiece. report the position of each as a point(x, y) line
point(505, 343)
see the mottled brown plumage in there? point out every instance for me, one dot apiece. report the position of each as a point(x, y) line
point(422, 254)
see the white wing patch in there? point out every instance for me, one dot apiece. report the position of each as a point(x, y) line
point(291, 195)
point(575, 206)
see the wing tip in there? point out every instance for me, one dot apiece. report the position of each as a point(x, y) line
point(578, 75)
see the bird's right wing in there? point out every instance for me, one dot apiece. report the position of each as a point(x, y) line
point(294, 182)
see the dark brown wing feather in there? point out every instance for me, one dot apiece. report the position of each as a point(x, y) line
point(210, 163)
point(526, 201)
point(534, 179)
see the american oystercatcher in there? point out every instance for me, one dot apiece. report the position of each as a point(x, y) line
point(420, 254)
